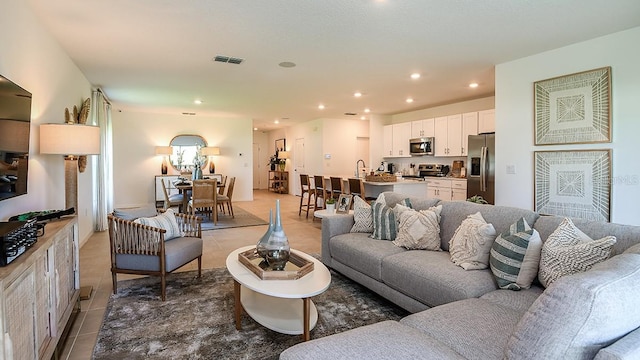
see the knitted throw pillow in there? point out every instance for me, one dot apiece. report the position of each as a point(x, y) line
point(471, 243)
point(419, 230)
point(568, 251)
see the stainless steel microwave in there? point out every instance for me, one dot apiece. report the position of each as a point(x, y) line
point(421, 146)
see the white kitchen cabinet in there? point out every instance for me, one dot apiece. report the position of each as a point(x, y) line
point(447, 189)
point(401, 136)
point(439, 189)
point(469, 127)
point(486, 121)
point(387, 140)
point(458, 190)
point(448, 135)
point(396, 140)
point(422, 128)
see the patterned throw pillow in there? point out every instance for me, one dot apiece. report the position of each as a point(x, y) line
point(385, 219)
point(568, 251)
point(515, 256)
point(471, 243)
point(362, 216)
point(166, 221)
point(419, 230)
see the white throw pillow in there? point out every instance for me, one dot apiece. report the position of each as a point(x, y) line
point(471, 243)
point(568, 251)
point(166, 221)
point(362, 216)
point(419, 230)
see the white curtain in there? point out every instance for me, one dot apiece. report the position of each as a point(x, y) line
point(103, 168)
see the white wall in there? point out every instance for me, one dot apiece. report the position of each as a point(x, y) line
point(32, 59)
point(485, 103)
point(339, 140)
point(136, 134)
point(514, 118)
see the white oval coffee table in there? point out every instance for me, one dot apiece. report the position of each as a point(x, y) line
point(284, 306)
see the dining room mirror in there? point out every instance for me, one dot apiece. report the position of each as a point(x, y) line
point(186, 152)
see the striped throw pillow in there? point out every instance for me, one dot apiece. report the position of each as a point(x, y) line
point(385, 219)
point(515, 256)
point(166, 221)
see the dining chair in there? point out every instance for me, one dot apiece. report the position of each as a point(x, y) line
point(205, 196)
point(171, 200)
point(222, 183)
point(226, 199)
point(321, 192)
point(305, 188)
point(336, 187)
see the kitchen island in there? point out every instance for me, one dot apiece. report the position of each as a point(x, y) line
point(409, 187)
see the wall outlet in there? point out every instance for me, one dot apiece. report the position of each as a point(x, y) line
point(511, 169)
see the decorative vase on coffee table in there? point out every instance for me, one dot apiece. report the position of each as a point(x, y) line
point(278, 249)
point(261, 247)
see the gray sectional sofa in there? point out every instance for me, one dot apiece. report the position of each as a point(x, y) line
point(459, 314)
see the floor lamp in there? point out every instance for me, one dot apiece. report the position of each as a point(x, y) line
point(71, 140)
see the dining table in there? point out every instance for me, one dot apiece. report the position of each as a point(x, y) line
point(184, 186)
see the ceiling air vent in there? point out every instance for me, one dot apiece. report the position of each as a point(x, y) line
point(351, 113)
point(228, 59)
point(188, 113)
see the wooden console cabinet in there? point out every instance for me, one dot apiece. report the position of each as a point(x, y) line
point(39, 294)
point(279, 181)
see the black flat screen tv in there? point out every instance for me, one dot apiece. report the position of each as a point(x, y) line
point(15, 119)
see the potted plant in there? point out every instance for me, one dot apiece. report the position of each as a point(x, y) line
point(331, 204)
point(477, 199)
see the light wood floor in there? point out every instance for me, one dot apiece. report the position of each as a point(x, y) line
point(303, 234)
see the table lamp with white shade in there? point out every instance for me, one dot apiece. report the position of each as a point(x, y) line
point(209, 152)
point(164, 151)
point(71, 140)
point(283, 156)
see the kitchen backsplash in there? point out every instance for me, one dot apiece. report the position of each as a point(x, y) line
point(404, 164)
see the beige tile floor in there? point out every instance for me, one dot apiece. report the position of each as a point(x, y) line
point(303, 233)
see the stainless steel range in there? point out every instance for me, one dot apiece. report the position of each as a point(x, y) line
point(438, 170)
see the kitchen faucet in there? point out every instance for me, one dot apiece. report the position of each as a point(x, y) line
point(358, 169)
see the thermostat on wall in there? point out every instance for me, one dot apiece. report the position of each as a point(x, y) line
point(327, 156)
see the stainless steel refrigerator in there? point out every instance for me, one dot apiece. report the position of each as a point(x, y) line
point(481, 168)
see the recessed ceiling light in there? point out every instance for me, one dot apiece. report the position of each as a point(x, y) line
point(197, 101)
point(473, 85)
point(321, 107)
point(415, 76)
point(287, 64)
point(363, 118)
point(276, 121)
point(367, 110)
point(409, 100)
point(255, 129)
point(357, 94)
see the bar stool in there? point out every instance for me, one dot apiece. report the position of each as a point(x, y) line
point(306, 189)
point(336, 187)
point(321, 192)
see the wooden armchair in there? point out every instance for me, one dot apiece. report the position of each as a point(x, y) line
point(142, 250)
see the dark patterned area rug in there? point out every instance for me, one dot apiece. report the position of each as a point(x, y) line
point(197, 322)
point(225, 221)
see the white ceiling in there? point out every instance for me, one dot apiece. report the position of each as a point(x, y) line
point(156, 55)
